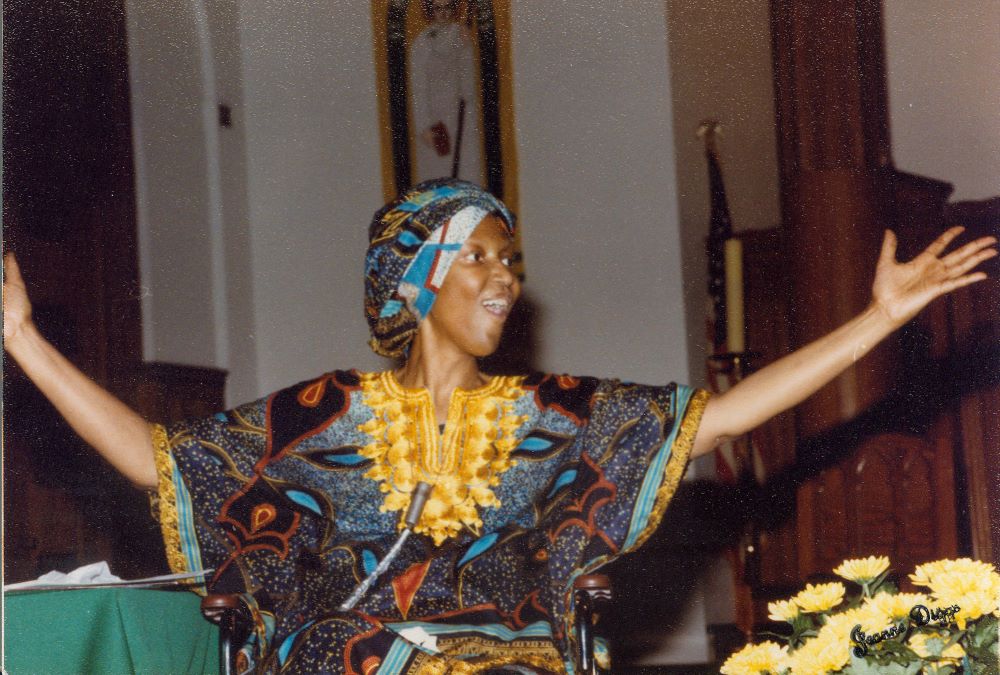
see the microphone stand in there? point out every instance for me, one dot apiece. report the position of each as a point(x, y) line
point(417, 501)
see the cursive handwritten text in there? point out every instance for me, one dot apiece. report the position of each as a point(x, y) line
point(919, 615)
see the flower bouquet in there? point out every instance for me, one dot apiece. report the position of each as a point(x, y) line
point(950, 628)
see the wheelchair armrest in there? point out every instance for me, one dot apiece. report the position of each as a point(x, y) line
point(591, 594)
point(233, 617)
point(214, 606)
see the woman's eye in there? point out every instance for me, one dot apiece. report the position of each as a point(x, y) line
point(474, 257)
point(508, 261)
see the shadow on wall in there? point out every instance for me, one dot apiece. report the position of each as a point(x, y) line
point(654, 586)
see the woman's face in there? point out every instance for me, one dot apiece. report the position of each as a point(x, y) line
point(478, 292)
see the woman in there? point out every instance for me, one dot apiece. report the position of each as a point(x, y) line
point(536, 479)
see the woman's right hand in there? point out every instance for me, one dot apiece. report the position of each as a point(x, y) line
point(116, 431)
point(16, 306)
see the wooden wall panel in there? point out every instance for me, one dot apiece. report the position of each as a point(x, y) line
point(975, 340)
point(832, 146)
point(768, 339)
point(883, 457)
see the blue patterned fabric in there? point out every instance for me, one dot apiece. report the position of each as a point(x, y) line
point(278, 497)
point(412, 244)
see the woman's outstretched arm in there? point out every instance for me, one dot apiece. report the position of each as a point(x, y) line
point(116, 431)
point(899, 292)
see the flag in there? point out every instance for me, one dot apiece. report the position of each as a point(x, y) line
point(736, 459)
point(720, 229)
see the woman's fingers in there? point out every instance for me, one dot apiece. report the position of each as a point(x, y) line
point(16, 307)
point(954, 284)
point(971, 262)
point(888, 252)
point(12, 281)
point(11, 272)
point(938, 246)
point(960, 255)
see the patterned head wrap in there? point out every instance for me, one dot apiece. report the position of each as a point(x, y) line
point(412, 243)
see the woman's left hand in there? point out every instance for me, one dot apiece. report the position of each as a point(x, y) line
point(901, 290)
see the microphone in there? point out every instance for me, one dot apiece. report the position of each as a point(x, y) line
point(417, 501)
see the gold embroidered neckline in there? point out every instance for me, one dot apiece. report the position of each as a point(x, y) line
point(463, 464)
point(395, 388)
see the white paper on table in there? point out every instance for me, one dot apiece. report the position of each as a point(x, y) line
point(421, 637)
point(98, 575)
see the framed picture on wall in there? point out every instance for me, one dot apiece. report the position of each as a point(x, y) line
point(443, 71)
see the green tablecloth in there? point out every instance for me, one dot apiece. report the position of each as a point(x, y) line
point(108, 630)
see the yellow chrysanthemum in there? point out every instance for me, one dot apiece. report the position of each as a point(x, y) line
point(862, 570)
point(820, 597)
point(838, 627)
point(924, 574)
point(766, 657)
point(782, 610)
point(972, 585)
point(818, 657)
point(925, 646)
point(897, 606)
point(973, 605)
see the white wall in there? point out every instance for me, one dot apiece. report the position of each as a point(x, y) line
point(235, 274)
point(599, 206)
point(197, 306)
point(720, 68)
point(172, 183)
point(943, 63)
point(313, 182)
point(720, 64)
point(598, 196)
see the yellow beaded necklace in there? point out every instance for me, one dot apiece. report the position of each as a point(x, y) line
point(463, 464)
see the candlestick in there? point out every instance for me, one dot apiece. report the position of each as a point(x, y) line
point(734, 295)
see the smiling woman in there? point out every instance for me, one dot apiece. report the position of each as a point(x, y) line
point(471, 309)
point(534, 479)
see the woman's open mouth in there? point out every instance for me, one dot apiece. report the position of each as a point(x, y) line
point(498, 307)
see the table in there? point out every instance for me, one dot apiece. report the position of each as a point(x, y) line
point(108, 630)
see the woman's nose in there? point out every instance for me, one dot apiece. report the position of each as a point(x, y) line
point(504, 273)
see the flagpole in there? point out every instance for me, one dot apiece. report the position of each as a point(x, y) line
point(728, 363)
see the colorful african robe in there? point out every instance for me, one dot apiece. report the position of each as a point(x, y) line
point(537, 479)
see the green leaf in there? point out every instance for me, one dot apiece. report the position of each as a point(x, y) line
point(899, 651)
point(802, 622)
point(874, 586)
point(983, 632)
point(859, 666)
point(984, 655)
point(767, 633)
point(953, 637)
point(862, 666)
point(935, 645)
point(887, 586)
